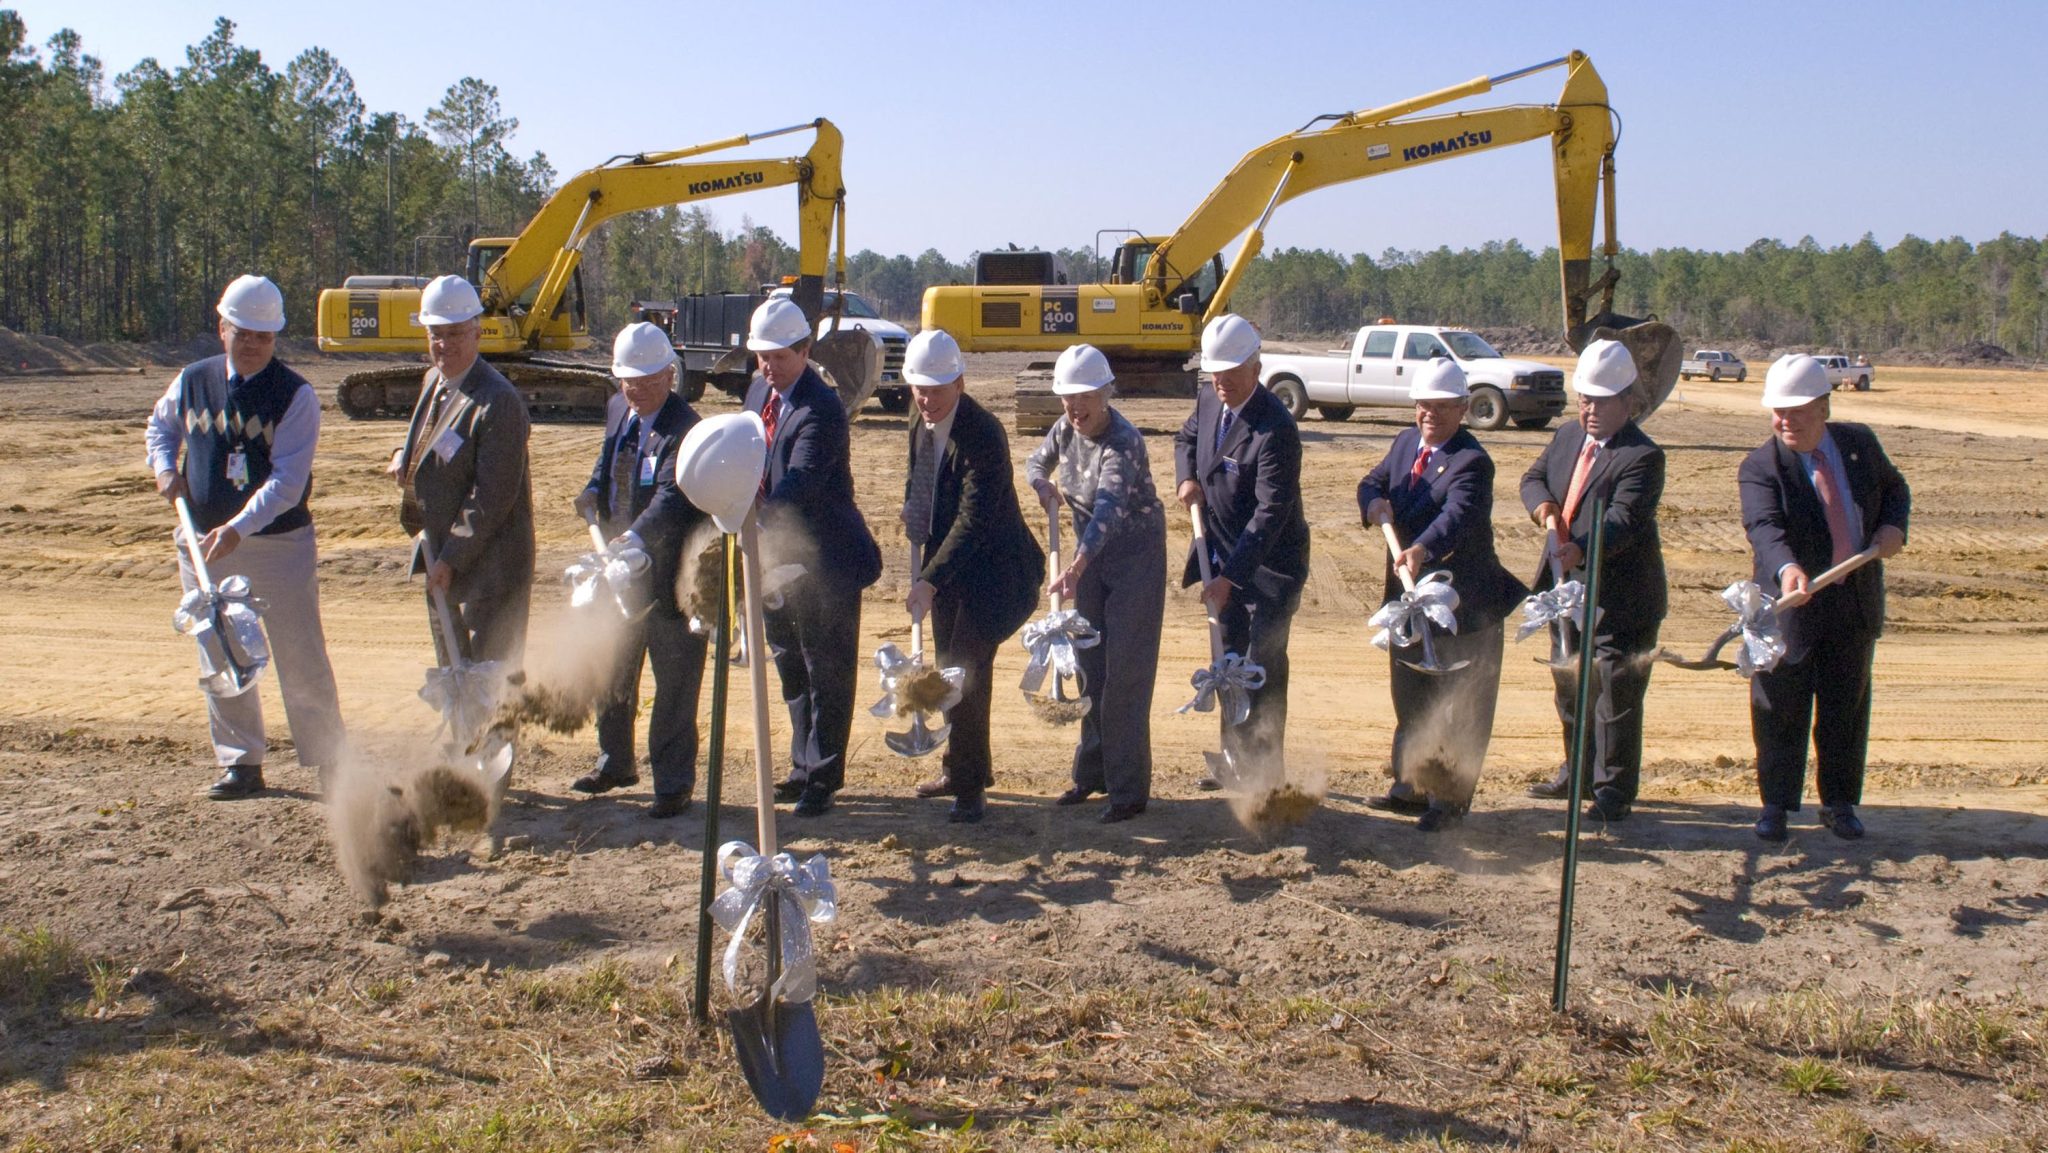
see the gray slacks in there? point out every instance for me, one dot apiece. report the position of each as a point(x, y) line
point(1123, 594)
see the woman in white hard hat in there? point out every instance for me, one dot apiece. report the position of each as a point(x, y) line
point(1116, 578)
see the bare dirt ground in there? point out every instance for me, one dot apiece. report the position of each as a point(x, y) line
point(186, 974)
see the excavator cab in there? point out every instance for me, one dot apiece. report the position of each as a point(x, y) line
point(1189, 295)
point(486, 251)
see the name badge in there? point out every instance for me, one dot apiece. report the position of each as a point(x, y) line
point(238, 469)
point(647, 464)
point(446, 444)
point(1230, 464)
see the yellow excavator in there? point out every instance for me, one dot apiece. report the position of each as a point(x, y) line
point(533, 294)
point(1148, 317)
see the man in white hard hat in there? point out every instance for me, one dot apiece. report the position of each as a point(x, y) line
point(808, 517)
point(235, 434)
point(1604, 456)
point(1237, 465)
point(978, 567)
point(1817, 493)
point(1435, 486)
point(632, 493)
point(464, 472)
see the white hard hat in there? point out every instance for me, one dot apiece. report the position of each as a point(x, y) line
point(641, 350)
point(778, 323)
point(933, 358)
point(1227, 342)
point(1794, 379)
point(1440, 379)
point(719, 466)
point(1081, 368)
point(1605, 369)
point(253, 304)
point(449, 300)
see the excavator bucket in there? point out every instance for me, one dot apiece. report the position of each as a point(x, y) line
point(852, 363)
point(1651, 343)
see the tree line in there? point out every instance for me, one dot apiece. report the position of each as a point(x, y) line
point(126, 204)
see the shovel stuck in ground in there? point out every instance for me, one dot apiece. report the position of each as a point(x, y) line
point(1406, 621)
point(911, 686)
point(468, 695)
point(225, 619)
point(1052, 641)
point(775, 1030)
point(1758, 621)
point(1230, 678)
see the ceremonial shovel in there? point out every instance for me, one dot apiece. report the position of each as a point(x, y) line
point(1229, 676)
point(468, 695)
point(1397, 618)
point(613, 569)
point(902, 675)
point(1759, 618)
point(224, 619)
point(1561, 604)
point(1051, 640)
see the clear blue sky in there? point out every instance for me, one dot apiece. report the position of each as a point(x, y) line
point(971, 125)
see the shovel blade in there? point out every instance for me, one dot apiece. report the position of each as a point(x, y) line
point(782, 1055)
point(1222, 768)
point(919, 741)
point(1440, 670)
point(1701, 665)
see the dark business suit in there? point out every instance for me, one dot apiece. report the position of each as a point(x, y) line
point(655, 510)
point(1628, 473)
point(476, 506)
point(986, 569)
point(1443, 722)
point(809, 518)
point(1251, 512)
point(1830, 640)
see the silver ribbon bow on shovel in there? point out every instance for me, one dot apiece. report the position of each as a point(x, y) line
point(899, 670)
point(1231, 680)
point(611, 571)
point(1406, 621)
point(226, 623)
point(806, 895)
point(1762, 631)
point(1560, 604)
point(1052, 641)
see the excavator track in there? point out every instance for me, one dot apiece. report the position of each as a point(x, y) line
point(1038, 408)
point(554, 390)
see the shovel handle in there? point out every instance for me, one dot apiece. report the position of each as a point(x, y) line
point(1052, 519)
point(1202, 559)
point(1394, 555)
point(192, 546)
point(757, 674)
point(449, 639)
point(1556, 538)
point(1831, 576)
point(597, 540)
point(916, 622)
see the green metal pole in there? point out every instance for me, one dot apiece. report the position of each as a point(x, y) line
point(1582, 750)
point(714, 776)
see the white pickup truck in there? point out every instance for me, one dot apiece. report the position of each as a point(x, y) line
point(1713, 364)
point(1375, 372)
point(1842, 371)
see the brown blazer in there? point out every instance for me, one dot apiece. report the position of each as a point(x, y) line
point(476, 505)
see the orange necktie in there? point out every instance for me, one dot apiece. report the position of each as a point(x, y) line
point(1580, 475)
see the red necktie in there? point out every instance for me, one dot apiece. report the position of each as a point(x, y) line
point(770, 410)
point(1839, 532)
point(1421, 464)
point(1580, 475)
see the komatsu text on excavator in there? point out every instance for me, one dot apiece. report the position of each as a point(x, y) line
point(533, 294)
point(1148, 317)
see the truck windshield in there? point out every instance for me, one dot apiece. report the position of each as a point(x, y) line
point(855, 306)
point(1467, 345)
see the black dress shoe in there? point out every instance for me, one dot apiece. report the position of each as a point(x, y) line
point(814, 801)
point(1771, 825)
point(1395, 803)
point(939, 786)
point(1841, 820)
point(236, 782)
point(668, 805)
point(598, 781)
point(1116, 814)
point(967, 810)
point(790, 790)
point(1608, 806)
point(1435, 818)
point(1208, 783)
point(1075, 796)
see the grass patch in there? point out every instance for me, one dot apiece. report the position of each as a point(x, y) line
point(1811, 1077)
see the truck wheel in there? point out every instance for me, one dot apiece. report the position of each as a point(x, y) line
point(1290, 394)
point(1862, 384)
point(1489, 410)
point(1714, 374)
point(893, 399)
point(1685, 376)
point(1741, 374)
point(1336, 411)
point(693, 386)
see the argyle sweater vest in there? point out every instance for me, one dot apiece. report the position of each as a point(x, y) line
point(221, 421)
